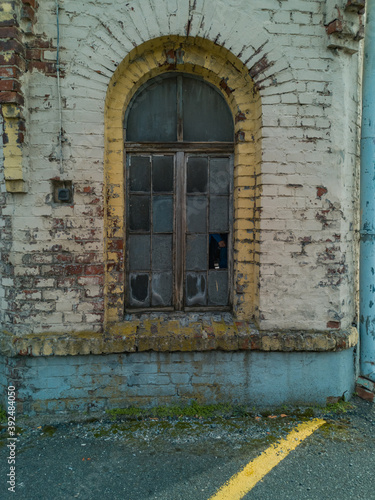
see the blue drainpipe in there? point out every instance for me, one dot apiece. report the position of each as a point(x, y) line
point(367, 233)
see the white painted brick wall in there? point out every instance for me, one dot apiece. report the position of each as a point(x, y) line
point(309, 138)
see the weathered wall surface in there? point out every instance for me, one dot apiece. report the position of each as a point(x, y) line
point(60, 384)
point(302, 56)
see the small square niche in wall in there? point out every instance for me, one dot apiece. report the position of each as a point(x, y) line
point(62, 191)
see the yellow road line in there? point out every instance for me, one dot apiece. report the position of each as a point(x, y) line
point(242, 482)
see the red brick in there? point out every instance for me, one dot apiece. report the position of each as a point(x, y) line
point(10, 72)
point(320, 190)
point(334, 27)
point(73, 269)
point(33, 54)
point(114, 245)
point(27, 12)
point(95, 269)
point(44, 67)
point(12, 60)
point(64, 257)
point(9, 22)
point(9, 85)
point(333, 324)
point(32, 3)
point(364, 393)
point(10, 32)
point(12, 97)
point(42, 44)
point(9, 45)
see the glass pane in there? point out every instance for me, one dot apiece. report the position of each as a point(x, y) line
point(162, 253)
point(139, 252)
point(162, 210)
point(218, 251)
point(206, 115)
point(153, 113)
point(139, 290)
point(218, 288)
point(196, 177)
point(196, 252)
point(162, 174)
point(196, 214)
point(219, 175)
point(139, 213)
point(219, 214)
point(162, 284)
point(196, 289)
point(139, 174)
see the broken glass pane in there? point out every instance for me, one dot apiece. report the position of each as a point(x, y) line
point(196, 252)
point(139, 213)
point(139, 252)
point(139, 290)
point(219, 175)
point(196, 214)
point(162, 253)
point(197, 175)
point(196, 289)
point(218, 251)
point(206, 115)
point(219, 214)
point(162, 218)
point(162, 174)
point(153, 113)
point(139, 175)
point(162, 284)
point(218, 288)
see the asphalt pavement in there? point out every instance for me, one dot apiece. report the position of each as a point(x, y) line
point(189, 458)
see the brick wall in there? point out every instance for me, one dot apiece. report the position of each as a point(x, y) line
point(307, 174)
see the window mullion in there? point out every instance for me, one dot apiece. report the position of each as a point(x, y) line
point(180, 225)
point(180, 132)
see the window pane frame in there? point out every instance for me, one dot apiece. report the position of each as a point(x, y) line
point(180, 228)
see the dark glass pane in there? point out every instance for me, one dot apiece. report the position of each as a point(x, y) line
point(139, 213)
point(162, 174)
point(139, 290)
point(162, 284)
point(153, 113)
point(196, 214)
point(206, 115)
point(139, 175)
point(218, 251)
point(162, 210)
point(219, 175)
point(197, 174)
point(219, 214)
point(196, 252)
point(162, 253)
point(218, 288)
point(196, 289)
point(139, 252)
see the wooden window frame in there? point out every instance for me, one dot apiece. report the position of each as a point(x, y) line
point(182, 150)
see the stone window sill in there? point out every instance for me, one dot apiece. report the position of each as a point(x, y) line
point(183, 334)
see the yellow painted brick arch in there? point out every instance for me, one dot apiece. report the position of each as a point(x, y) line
point(221, 68)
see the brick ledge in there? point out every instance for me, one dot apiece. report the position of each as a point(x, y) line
point(169, 336)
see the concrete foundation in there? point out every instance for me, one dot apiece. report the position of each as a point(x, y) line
point(89, 383)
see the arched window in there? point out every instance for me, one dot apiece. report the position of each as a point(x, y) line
point(179, 141)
